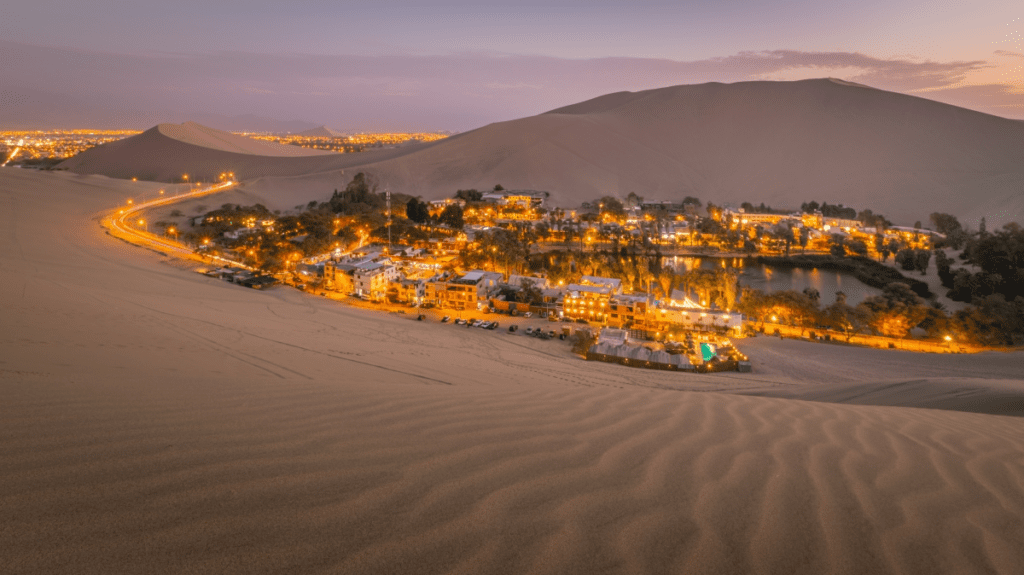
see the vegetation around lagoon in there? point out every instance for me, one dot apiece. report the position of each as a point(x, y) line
point(598, 241)
point(867, 270)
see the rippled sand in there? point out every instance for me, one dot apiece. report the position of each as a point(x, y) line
point(157, 421)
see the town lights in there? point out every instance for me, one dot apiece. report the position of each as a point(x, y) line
point(775, 318)
point(948, 338)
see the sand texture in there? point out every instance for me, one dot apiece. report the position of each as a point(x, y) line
point(781, 143)
point(154, 420)
point(166, 152)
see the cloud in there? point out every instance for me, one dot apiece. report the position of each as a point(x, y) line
point(453, 91)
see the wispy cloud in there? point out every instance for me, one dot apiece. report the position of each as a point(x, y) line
point(455, 91)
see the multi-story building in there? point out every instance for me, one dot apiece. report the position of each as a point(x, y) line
point(371, 279)
point(338, 276)
point(468, 291)
point(628, 311)
point(407, 290)
point(588, 302)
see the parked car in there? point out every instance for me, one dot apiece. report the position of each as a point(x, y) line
point(494, 325)
point(476, 323)
point(485, 325)
point(460, 321)
point(529, 331)
point(552, 317)
point(446, 318)
point(420, 317)
point(528, 314)
point(551, 333)
point(513, 328)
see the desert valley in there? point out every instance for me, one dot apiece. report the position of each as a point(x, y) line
point(156, 419)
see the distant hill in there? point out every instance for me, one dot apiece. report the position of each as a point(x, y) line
point(321, 132)
point(782, 143)
point(168, 151)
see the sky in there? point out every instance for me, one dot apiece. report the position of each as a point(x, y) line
point(427, 65)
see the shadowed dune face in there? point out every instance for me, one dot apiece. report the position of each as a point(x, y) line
point(783, 143)
point(155, 420)
point(167, 152)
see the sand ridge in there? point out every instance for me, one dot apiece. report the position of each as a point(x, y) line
point(203, 136)
point(156, 420)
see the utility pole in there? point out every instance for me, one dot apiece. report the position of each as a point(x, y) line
point(387, 195)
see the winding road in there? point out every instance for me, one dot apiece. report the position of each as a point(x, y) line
point(120, 226)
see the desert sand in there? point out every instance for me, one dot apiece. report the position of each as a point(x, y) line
point(155, 420)
point(322, 132)
point(166, 152)
point(781, 143)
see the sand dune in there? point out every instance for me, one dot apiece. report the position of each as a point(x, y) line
point(155, 420)
point(166, 152)
point(782, 143)
point(322, 132)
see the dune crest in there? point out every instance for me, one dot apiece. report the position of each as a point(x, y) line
point(782, 143)
point(214, 139)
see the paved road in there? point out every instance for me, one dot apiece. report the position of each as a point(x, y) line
point(121, 223)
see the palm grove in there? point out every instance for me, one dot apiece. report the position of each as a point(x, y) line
point(990, 275)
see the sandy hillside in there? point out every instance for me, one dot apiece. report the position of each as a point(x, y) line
point(782, 143)
point(158, 421)
point(166, 152)
point(322, 132)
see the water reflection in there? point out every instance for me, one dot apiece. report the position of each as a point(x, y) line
point(769, 279)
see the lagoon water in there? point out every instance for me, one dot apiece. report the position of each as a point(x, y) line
point(769, 279)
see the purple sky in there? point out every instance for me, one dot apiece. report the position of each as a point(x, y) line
point(418, 65)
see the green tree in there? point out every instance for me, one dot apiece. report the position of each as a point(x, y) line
point(417, 211)
point(529, 292)
point(469, 195)
point(895, 312)
point(452, 217)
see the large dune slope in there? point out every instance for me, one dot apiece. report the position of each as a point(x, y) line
point(155, 420)
point(782, 143)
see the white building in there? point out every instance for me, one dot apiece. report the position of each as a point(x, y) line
point(371, 279)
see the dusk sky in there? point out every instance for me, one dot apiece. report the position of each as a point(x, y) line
point(419, 65)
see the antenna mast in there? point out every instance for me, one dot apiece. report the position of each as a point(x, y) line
point(387, 194)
